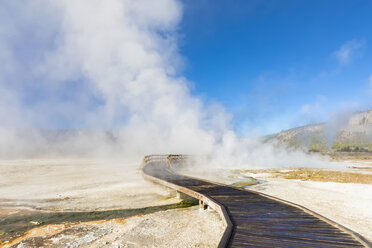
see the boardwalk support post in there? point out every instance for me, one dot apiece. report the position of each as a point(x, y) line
point(203, 205)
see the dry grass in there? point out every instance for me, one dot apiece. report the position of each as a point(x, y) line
point(320, 175)
point(327, 176)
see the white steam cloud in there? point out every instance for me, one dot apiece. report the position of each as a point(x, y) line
point(109, 65)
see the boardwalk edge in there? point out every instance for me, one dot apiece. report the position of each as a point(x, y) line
point(221, 210)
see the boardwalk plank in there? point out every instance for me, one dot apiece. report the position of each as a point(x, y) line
point(259, 221)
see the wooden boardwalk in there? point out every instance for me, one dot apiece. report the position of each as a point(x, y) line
point(252, 219)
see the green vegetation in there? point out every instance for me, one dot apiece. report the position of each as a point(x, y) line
point(243, 184)
point(15, 226)
point(355, 137)
point(318, 143)
point(355, 142)
point(294, 143)
point(339, 147)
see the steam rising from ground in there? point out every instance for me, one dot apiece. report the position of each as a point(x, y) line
point(109, 65)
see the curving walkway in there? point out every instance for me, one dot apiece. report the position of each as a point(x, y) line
point(253, 219)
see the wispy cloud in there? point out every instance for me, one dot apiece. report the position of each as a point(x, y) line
point(348, 50)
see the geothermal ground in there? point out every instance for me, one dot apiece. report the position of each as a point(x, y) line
point(101, 203)
point(93, 203)
point(342, 194)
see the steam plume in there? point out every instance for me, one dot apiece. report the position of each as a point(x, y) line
point(108, 65)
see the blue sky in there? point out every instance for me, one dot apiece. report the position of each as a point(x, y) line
point(272, 64)
point(282, 62)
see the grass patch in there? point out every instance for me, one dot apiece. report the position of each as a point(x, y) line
point(243, 184)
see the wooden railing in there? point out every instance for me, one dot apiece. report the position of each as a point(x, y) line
point(204, 201)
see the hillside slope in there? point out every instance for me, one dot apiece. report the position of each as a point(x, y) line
point(352, 133)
